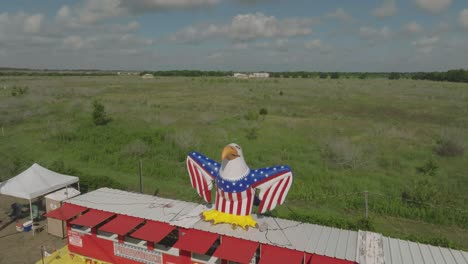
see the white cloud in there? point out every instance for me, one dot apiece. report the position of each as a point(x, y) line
point(413, 28)
point(433, 6)
point(341, 14)
point(215, 55)
point(240, 45)
point(33, 23)
point(73, 42)
point(137, 6)
point(245, 27)
point(317, 44)
point(16, 24)
point(313, 44)
point(97, 10)
point(94, 11)
point(372, 33)
point(258, 25)
point(442, 27)
point(64, 12)
point(426, 44)
point(387, 9)
point(463, 19)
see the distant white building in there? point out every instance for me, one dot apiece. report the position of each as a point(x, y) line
point(241, 75)
point(259, 75)
point(148, 76)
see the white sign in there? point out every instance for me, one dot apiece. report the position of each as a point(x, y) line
point(137, 253)
point(74, 238)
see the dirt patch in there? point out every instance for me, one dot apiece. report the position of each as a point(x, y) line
point(22, 247)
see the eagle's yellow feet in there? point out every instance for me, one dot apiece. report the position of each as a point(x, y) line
point(236, 220)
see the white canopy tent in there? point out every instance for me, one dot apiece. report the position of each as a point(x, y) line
point(35, 182)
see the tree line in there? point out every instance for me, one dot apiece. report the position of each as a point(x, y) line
point(449, 76)
point(459, 75)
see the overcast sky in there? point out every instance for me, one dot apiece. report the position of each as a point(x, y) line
point(248, 35)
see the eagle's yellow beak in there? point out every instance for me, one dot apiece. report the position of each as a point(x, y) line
point(229, 152)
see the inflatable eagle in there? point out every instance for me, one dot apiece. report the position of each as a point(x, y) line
point(236, 184)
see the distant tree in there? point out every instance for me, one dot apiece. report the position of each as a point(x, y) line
point(323, 75)
point(363, 76)
point(263, 112)
point(100, 117)
point(394, 76)
point(335, 75)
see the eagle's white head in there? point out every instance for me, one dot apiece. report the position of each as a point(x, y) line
point(233, 166)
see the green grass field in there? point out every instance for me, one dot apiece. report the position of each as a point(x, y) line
point(341, 137)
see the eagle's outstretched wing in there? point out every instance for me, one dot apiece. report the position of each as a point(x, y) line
point(202, 171)
point(274, 184)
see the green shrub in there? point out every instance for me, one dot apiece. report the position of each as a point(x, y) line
point(422, 194)
point(429, 168)
point(251, 116)
point(100, 117)
point(19, 90)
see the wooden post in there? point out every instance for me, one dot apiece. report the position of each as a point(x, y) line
point(139, 170)
point(366, 195)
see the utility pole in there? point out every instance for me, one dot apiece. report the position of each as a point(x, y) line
point(139, 170)
point(366, 195)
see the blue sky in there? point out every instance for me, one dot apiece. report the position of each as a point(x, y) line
point(239, 35)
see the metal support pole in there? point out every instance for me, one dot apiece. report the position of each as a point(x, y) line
point(42, 254)
point(366, 195)
point(139, 170)
point(32, 220)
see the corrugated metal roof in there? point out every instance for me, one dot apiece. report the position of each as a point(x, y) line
point(406, 252)
point(138, 205)
point(362, 247)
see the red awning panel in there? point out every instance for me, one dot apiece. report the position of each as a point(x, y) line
point(92, 218)
point(195, 241)
point(277, 255)
point(235, 249)
point(153, 231)
point(317, 259)
point(121, 225)
point(66, 212)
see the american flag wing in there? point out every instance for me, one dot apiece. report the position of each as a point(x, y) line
point(202, 171)
point(274, 184)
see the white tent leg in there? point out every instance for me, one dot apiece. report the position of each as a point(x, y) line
point(32, 220)
point(79, 187)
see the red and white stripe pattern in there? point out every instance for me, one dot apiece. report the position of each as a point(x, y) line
point(201, 180)
point(239, 203)
point(273, 191)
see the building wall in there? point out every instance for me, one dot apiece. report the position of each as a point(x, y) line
point(103, 249)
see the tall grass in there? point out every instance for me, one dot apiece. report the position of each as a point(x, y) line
point(339, 137)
